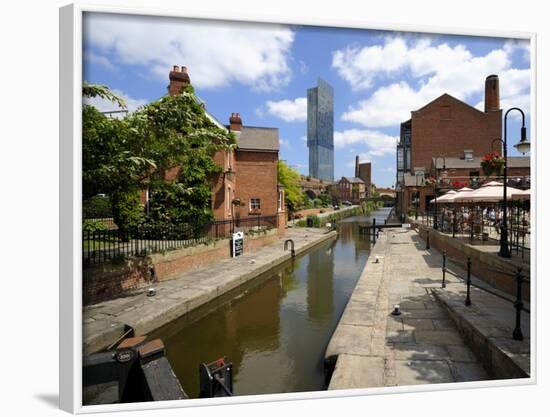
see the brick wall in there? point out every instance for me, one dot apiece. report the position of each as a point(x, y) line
point(256, 177)
point(483, 264)
point(365, 169)
point(447, 127)
point(108, 281)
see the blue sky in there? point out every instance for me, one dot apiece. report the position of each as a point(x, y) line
point(263, 72)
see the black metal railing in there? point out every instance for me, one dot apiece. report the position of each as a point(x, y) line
point(518, 302)
point(102, 246)
point(476, 227)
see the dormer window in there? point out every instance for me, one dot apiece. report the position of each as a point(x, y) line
point(468, 155)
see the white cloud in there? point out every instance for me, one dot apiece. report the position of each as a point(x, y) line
point(216, 53)
point(435, 70)
point(105, 105)
point(94, 58)
point(284, 143)
point(379, 143)
point(288, 110)
point(360, 66)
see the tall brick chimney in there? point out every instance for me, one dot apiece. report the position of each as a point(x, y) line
point(356, 166)
point(492, 94)
point(179, 78)
point(235, 122)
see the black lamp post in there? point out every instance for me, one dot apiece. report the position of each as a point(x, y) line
point(419, 179)
point(436, 189)
point(523, 146)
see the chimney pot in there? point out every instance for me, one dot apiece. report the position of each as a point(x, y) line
point(235, 122)
point(178, 80)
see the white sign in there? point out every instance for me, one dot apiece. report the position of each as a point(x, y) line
point(406, 225)
point(237, 244)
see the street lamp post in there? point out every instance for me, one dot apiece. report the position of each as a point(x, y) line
point(436, 189)
point(523, 146)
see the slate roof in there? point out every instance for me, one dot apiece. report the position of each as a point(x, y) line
point(354, 180)
point(258, 138)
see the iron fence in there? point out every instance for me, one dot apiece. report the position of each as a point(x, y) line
point(475, 226)
point(102, 246)
point(517, 302)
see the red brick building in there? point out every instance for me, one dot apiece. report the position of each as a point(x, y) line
point(450, 131)
point(351, 189)
point(363, 170)
point(248, 183)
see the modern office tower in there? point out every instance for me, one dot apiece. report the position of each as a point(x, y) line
point(320, 131)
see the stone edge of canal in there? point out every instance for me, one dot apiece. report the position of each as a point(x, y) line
point(372, 271)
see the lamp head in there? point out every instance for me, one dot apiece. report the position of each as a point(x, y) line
point(524, 145)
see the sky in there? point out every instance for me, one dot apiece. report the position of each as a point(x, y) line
point(263, 71)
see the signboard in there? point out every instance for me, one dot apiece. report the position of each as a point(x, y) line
point(237, 244)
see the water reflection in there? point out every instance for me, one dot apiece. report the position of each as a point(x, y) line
point(276, 332)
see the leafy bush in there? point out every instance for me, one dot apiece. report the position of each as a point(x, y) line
point(127, 210)
point(97, 207)
point(91, 226)
point(314, 220)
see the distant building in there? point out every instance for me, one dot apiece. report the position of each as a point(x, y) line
point(363, 170)
point(351, 189)
point(449, 132)
point(320, 131)
point(313, 187)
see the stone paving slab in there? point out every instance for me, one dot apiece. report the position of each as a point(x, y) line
point(104, 322)
point(370, 371)
point(422, 345)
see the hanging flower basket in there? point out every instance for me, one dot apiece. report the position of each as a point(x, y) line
point(459, 184)
point(492, 164)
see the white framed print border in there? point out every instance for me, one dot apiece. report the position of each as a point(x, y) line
point(70, 285)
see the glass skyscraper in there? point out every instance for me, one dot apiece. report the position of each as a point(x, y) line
point(320, 131)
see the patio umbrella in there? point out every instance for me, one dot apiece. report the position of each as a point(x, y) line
point(522, 195)
point(451, 196)
point(445, 198)
point(488, 193)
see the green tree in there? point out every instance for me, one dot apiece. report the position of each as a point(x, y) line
point(326, 199)
point(290, 179)
point(122, 156)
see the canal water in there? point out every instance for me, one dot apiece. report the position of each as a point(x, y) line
point(275, 329)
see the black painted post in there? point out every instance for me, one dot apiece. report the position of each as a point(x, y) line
point(518, 334)
point(373, 230)
point(468, 301)
point(444, 269)
point(427, 239)
point(454, 224)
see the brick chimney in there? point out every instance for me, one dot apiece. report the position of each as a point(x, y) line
point(356, 166)
point(178, 79)
point(492, 94)
point(235, 122)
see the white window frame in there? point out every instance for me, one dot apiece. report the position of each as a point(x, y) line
point(252, 202)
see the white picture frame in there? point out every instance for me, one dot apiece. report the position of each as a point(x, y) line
point(70, 292)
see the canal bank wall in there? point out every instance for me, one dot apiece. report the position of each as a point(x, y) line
point(496, 271)
point(105, 322)
point(320, 220)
